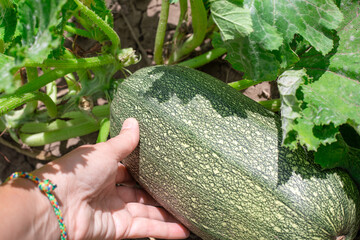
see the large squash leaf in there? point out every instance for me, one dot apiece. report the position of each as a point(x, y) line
point(232, 19)
point(329, 100)
point(332, 97)
point(274, 24)
point(38, 21)
point(33, 23)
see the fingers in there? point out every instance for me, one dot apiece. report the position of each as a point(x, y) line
point(143, 227)
point(124, 143)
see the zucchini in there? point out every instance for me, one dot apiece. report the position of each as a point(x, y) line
point(213, 158)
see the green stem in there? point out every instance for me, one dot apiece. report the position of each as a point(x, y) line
point(114, 38)
point(17, 99)
point(273, 104)
point(98, 111)
point(160, 32)
point(90, 62)
point(51, 88)
point(42, 80)
point(83, 21)
point(32, 73)
point(75, 118)
point(183, 11)
point(199, 23)
point(104, 130)
point(72, 84)
point(38, 127)
point(27, 92)
point(40, 139)
point(78, 31)
point(203, 58)
point(243, 84)
point(80, 124)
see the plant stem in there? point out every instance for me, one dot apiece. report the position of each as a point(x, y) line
point(27, 92)
point(273, 104)
point(98, 111)
point(37, 127)
point(83, 22)
point(40, 139)
point(51, 88)
point(72, 86)
point(42, 81)
point(75, 118)
point(183, 11)
point(243, 84)
point(32, 73)
point(17, 99)
point(81, 124)
point(114, 38)
point(199, 23)
point(160, 32)
point(90, 62)
point(203, 58)
point(104, 130)
point(77, 31)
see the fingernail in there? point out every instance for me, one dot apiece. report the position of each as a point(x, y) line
point(127, 124)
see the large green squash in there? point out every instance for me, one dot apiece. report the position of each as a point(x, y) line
point(213, 158)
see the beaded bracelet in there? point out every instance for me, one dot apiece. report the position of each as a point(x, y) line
point(47, 187)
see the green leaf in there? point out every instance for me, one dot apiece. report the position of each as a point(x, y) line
point(340, 154)
point(308, 134)
point(38, 21)
point(248, 56)
point(266, 34)
point(277, 19)
point(36, 29)
point(334, 98)
point(8, 23)
point(7, 82)
point(274, 24)
point(334, 93)
point(288, 84)
point(330, 95)
point(232, 19)
point(286, 56)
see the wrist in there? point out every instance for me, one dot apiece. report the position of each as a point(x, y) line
point(29, 214)
point(56, 177)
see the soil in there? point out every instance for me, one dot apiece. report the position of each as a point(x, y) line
point(136, 22)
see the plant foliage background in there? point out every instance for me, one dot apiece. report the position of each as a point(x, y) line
point(311, 48)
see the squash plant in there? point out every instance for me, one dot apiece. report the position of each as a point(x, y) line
point(309, 47)
point(33, 50)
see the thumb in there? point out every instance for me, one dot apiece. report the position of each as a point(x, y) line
point(124, 143)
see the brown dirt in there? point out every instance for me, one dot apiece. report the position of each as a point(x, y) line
point(136, 23)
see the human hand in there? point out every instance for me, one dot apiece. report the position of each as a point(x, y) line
point(93, 206)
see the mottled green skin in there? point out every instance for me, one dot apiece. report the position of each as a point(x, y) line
point(213, 158)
